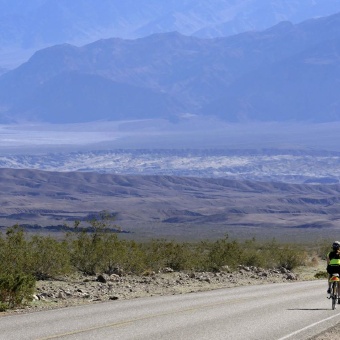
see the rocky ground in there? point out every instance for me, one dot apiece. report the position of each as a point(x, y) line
point(77, 289)
point(332, 334)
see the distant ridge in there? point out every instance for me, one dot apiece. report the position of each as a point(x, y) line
point(31, 24)
point(266, 165)
point(149, 205)
point(286, 73)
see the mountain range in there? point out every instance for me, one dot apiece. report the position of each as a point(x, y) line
point(268, 165)
point(31, 25)
point(287, 72)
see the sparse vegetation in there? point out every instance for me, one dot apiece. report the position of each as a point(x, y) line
point(321, 275)
point(24, 259)
point(15, 289)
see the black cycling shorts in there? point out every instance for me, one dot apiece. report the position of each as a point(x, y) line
point(333, 269)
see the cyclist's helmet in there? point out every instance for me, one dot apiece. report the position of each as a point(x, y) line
point(336, 245)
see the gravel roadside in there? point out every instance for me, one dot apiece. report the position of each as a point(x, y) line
point(76, 290)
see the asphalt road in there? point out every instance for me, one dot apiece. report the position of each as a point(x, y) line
point(277, 311)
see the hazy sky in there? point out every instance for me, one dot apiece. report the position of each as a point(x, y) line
point(28, 25)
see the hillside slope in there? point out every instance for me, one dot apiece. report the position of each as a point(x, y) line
point(37, 23)
point(288, 72)
point(155, 206)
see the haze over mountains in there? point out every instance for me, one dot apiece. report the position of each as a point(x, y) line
point(188, 92)
point(26, 26)
point(287, 72)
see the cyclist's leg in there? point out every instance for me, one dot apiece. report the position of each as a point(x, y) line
point(329, 271)
point(337, 270)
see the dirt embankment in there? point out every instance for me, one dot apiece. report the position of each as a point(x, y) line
point(75, 290)
point(78, 289)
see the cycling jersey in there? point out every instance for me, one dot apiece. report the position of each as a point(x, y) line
point(334, 262)
point(334, 258)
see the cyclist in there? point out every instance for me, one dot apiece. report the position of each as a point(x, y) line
point(333, 262)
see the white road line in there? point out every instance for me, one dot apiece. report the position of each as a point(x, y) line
point(307, 327)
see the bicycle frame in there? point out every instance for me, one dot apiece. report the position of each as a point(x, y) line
point(334, 289)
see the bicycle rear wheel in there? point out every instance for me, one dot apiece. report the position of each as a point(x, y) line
point(334, 294)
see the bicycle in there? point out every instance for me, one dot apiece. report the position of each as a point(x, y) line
point(334, 295)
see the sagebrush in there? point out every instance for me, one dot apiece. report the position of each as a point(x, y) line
point(24, 258)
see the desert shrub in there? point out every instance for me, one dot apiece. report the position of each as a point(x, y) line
point(223, 252)
point(130, 257)
point(312, 261)
point(321, 275)
point(253, 257)
point(182, 255)
point(159, 254)
point(268, 251)
point(120, 255)
point(14, 252)
point(323, 248)
point(290, 257)
point(213, 255)
point(49, 257)
point(155, 254)
point(253, 254)
point(113, 254)
point(174, 256)
point(95, 249)
point(15, 289)
point(272, 254)
point(86, 251)
point(98, 249)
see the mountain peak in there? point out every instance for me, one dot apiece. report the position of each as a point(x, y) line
point(244, 77)
point(280, 28)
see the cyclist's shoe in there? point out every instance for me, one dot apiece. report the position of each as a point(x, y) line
point(328, 291)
